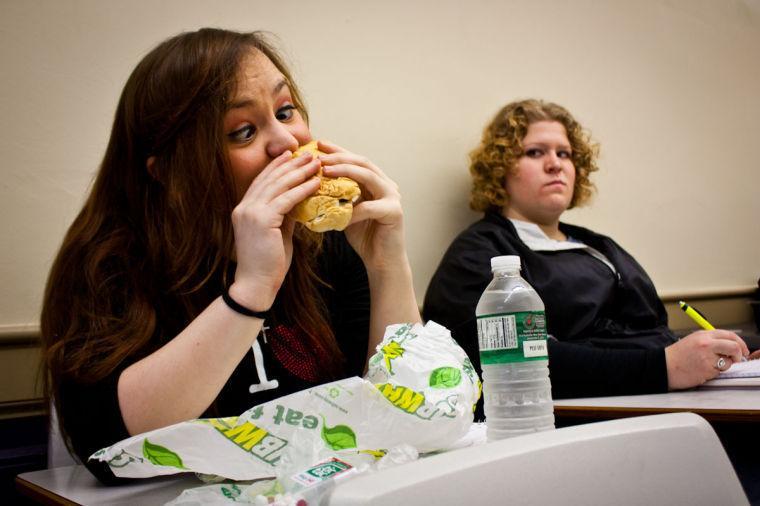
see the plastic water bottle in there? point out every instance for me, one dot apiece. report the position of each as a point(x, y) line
point(517, 391)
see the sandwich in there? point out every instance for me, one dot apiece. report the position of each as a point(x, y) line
point(331, 207)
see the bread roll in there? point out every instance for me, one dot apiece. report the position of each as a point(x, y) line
point(331, 207)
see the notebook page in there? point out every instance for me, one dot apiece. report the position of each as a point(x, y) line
point(749, 369)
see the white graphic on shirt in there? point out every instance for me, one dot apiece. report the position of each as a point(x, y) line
point(258, 359)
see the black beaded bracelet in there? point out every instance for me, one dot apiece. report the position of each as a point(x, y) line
point(263, 315)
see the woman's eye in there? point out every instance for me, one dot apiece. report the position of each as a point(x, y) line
point(564, 154)
point(285, 113)
point(533, 153)
point(243, 134)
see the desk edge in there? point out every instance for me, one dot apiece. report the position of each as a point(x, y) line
point(40, 494)
point(604, 412)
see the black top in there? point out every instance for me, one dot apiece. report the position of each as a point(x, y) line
point(610, 329)
point(92, 414)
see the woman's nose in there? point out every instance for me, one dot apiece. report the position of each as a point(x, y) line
point(280, 139)
point(553, 163)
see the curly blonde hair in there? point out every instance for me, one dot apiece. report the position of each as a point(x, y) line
point(501, 147)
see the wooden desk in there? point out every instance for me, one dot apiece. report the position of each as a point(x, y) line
point(714, 404)
point(75, 485)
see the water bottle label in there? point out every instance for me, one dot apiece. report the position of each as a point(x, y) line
point(512, 337)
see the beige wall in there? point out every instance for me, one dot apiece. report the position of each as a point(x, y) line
point(669, 88)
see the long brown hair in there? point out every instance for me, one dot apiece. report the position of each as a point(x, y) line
point(501, 147)
point(140, 250)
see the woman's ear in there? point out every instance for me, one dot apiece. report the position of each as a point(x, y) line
point(150, 164)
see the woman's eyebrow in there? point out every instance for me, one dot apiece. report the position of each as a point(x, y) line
point(279, 86)
point(546, 145)
point(248, 101)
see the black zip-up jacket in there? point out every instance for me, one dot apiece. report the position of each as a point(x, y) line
point(609, 330)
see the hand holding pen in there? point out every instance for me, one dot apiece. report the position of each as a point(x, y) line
point(700, 320)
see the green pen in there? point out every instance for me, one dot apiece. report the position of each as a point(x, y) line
point(698, 318)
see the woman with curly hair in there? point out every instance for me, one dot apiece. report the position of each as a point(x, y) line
point(608, 328)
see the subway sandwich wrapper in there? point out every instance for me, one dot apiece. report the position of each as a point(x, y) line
point(417, 396)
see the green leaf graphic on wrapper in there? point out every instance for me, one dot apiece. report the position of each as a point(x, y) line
point(339, 437)
point(161, 456)
point(275, 488)
point(231, 493)
point(445, 377)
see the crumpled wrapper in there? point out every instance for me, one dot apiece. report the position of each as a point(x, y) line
point(420, 390)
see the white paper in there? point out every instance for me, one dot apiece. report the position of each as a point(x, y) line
point(748, 369)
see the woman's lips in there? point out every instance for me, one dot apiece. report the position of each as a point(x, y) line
point(555, 183)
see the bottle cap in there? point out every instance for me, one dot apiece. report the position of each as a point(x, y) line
point(505, 262)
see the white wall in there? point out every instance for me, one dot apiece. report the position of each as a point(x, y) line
point(670, 88)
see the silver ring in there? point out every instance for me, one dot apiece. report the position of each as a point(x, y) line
point(720, 364)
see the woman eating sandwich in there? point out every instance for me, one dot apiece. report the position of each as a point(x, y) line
point(183, 288)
